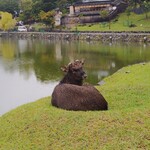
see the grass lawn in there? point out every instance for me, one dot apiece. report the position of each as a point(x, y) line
point(126, 125)
point(120, 24)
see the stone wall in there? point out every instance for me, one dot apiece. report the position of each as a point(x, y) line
point(87, 19)
point(99, 36)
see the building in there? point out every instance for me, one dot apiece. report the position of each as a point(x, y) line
point(88, 11)
point(90, 7)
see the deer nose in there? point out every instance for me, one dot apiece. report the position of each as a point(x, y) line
point(84, 75)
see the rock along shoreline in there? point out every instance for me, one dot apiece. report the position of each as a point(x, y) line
point(84, 35)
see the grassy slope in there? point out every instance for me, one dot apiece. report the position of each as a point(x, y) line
point(126, 125)
point(141, 23)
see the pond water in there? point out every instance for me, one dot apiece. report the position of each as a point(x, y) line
point(30, 68)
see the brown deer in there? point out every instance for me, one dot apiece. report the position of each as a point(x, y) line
point(71, 94)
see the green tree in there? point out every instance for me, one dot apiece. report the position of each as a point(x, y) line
point(80, 16)
point(26, 5)
point(36, 8)
point(61, 4)
point(128, 13)
point(105, 14)
point(146, 5)
point(26, 14)
point(9, 6)
point(133, 3)
point(47, 18)
point(6, 21)
point(32, 8)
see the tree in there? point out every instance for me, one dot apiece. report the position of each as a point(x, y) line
point(6, 21)
point(133, 3)
point(62, 5)
point(128, 13)
point(36, 8)
point(48, 5)
point(104, 14)
point(47, 18)
point(9, 6)
point(26, 5)
point(80, 16)
point(26, 11)
point(30, 9)
point(146, 5)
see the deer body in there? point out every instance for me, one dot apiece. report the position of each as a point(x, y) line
point(71, 94)
point(74, 97)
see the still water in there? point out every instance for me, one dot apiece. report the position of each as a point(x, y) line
point(30, 69)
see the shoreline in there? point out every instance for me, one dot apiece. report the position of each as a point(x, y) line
point(115, 36)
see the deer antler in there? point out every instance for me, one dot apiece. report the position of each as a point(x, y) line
point(64, 69)
point(76, 63)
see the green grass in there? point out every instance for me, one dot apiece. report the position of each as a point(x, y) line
point(126, 125)
point(140, 22)
point(38, 26)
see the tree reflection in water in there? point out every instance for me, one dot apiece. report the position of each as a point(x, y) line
point(45, 57)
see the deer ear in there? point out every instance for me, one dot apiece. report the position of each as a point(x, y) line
point(82, 61)
point(64, 69)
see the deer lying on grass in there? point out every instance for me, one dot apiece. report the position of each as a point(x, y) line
point(71, 94)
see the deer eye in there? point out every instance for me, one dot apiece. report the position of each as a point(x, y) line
point(75, 70)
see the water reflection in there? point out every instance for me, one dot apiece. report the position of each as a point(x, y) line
point(37, 64)
point(45, 57)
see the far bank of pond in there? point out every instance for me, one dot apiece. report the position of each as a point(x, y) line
point(30, 67)
point(76, 35)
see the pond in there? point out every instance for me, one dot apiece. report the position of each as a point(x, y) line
point(30, 68)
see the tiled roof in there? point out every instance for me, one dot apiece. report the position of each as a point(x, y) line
point(92, 3)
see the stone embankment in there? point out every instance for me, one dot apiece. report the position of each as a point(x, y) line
point(99, 36)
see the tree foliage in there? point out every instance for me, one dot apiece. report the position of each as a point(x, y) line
point(104, 13)
point(30, 9)
point(26, 4)
point(128, 12)
point(6, 21)
point(9, 6)
point(47, 17)
point(146, 5)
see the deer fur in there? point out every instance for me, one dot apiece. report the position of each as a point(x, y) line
point(71, 94)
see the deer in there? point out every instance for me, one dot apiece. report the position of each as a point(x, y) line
point(72, 94)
